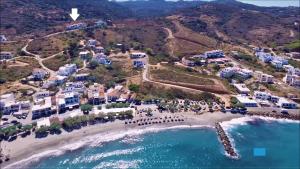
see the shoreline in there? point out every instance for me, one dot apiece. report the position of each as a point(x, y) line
point(32, 149)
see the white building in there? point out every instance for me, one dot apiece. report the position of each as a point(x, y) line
point(242, 88)
point(84, 54)
point(2, 38)
point(292, 79)
point(81, 76)
point(265, 96)
point(136, 55)
point(246, 101)
point(99, 49)
point(264, 57)
point(76, 26)
point(9, 105)
point(101, 23)
point(78, 87)
point(5, 55)
point(278, 62)
point(292, 76)
point(40, 95)
point(101, 58)
point(43, 107)
point(265, 78)
point(92, 43)
point(67, 70)
point(45, 123)
point(39, 73)
point(214, 54)
point(67, 101)
point(284, 103)
point(96, 94)
point(187, 62)
point(229, 72)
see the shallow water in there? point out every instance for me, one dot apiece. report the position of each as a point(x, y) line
point(189, 148)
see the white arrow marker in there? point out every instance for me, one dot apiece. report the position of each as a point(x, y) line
point(74, 15)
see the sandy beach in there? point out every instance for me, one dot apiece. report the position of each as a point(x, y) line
point(30, 148)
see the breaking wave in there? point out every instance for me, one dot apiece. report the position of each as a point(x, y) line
point(97, 140)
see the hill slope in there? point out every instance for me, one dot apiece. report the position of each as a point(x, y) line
point(243, 23)
point(25, 16)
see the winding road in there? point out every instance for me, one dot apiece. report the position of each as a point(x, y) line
point(40, 60)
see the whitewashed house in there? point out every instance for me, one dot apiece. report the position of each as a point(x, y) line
point(246, 101)
point(187, 62)
point(102, 59)
point(99, 49)
point(78, 87)
point(8, 104)
point(265, 78)
point(39, 74)
point(96, 94)
point(242, 88)
point(2, 38)
point(76, 26)
point(40, 95)
point(6, 55)
point(84, 54)
point(67, 70)
point(43, 107)
point(265, 96)
point(214, 54)
point(92, 43)
point(67, 101)
point(284, 103)
point(138, 64)
point(136, 55)
point(264, 57)
point(81, 77)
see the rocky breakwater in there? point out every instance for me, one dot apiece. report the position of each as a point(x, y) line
point(276, 115)
point(225, 141)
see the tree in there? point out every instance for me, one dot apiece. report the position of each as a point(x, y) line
point(216, 67)
point(93, 64)
point(73, 49)
point(134, 88)
point(55, 127)
point(27, 127)
point(86, 108)
point(42, 131)
point(149, 51)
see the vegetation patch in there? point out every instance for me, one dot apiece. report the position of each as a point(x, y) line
point(117, 105)
point(15, 73)
point(56, 62)
point(14, 47)
point(169, 75)
point(152, 91)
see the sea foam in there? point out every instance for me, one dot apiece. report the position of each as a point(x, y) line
point(96, 140)
point(228, 126)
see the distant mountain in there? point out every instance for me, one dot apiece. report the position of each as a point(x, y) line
point(243, 23)
point(155, 8)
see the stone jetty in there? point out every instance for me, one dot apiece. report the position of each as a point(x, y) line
point(225, 141)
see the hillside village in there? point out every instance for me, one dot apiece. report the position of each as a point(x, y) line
point(83, 81)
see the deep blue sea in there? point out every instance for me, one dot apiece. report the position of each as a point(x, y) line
point(189, 148)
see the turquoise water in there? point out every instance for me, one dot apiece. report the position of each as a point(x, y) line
point(189, 148)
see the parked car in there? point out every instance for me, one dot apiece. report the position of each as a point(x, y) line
point(234, 111)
